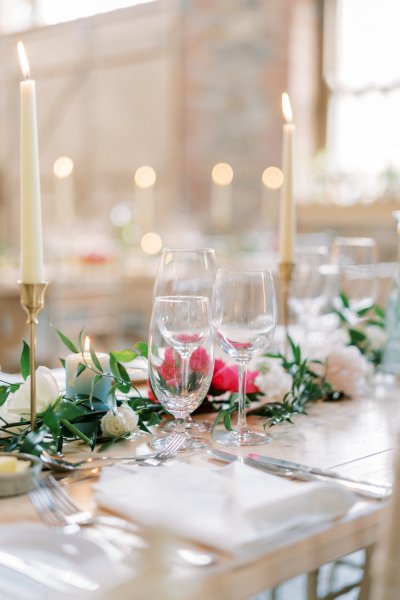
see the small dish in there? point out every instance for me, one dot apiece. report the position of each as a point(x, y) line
point(14, 484)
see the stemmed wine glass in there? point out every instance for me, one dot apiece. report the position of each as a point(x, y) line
point(356, 260)
point(181, 359)
point(190, 273)
point(244, 321)
point(313, 287)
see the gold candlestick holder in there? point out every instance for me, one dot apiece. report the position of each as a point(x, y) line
point(32, 301)
point(286, 271)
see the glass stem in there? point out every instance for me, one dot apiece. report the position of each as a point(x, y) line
point(241, 422)
point(185, 372)
point(180, 425)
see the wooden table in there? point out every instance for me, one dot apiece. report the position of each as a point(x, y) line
point(352, 436)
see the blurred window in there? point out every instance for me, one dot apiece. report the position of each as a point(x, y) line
point(18, 15)
point(362, 71)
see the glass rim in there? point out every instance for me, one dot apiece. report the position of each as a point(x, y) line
point(205, 250)
point(244, 271)
point(354, 241)
point(181, 298)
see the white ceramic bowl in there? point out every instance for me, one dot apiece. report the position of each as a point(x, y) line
point(13, 484)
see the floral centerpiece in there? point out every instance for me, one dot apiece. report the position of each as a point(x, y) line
point(278, 387)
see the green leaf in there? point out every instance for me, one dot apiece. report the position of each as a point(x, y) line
point(32, 442)
point(4, 391)
point(67, 342)
point(25, 360)
point(142, 348)
point(52, 421)
point(95, 380)
point(357, 336)
point(379, 311)
point(75, 431)
point(80, 368)
point(95, 360)
point(344, 299)
point(124, 355)
point(69, 410)
point(227, 421)
point(123, 381)
point(295, 350)
point(153, 420)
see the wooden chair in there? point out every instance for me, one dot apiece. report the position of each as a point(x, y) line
point(384, 581)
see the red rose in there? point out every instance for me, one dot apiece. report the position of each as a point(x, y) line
point(170, 370)
point(225, 378)
point(151, 396)
point(199, 361)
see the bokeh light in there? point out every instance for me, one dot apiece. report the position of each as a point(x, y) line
point(63, 167)
point(145, 177)
point(151, 243)
point(272, 178)
point(222, 174)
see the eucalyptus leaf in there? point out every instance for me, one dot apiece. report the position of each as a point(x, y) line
point(67, 342)
point(142, 348)
point(124, 355)
point(25, 360)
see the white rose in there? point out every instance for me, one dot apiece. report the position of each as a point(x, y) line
point(272, 379)
point(131, 418)
point(124, 421)
point(377, 336)
point(347, 370)
point(7, 417)
point(47, 393)
point(327, 342)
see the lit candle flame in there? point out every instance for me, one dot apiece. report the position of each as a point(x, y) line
point(287, 108)
point(23, 60)
point(87, 345)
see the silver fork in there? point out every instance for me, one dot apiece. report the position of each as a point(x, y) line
point(56, 508)
point(176, 442)
point(152, 460)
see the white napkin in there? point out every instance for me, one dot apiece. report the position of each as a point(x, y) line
point(229, 508)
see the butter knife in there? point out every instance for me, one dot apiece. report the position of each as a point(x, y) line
point(368, 490)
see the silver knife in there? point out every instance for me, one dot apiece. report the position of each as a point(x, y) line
point(288, 464)
point(368, 490)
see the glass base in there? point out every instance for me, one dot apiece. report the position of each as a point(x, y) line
point(191, 426)
point(246, 438)
point(191, 443)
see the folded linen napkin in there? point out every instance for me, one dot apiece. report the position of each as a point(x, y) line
point(230, 507)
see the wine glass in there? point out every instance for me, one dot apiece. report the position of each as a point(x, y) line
point(244, 321)
point(181, 359)
point(306, 297)
point(191, 273)
point(356, 259)
point(185, 272)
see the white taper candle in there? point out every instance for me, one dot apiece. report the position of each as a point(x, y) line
point(287, 221)
point(32, 270)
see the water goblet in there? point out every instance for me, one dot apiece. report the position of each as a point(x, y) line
point(181, 359)
point(191, 273)
point(244, 321)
